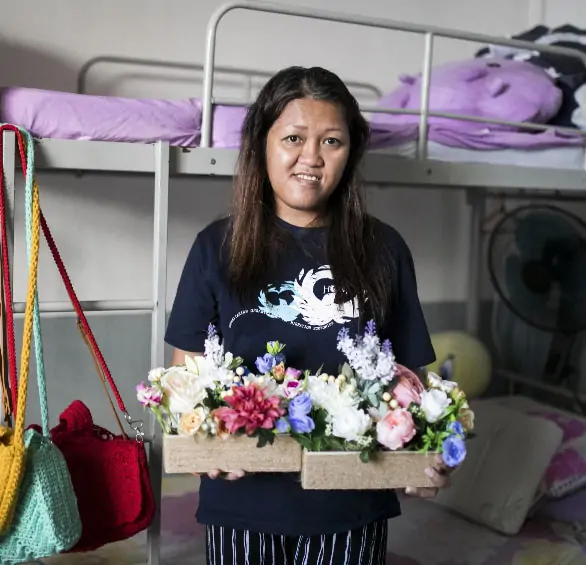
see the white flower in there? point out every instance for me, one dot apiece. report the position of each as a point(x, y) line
point(190, 423)
point(330, 396)
point(435, 381)
point(183, 390)
point(350, 424)
point(156, 374)
point(434, 403)
point(205, 368)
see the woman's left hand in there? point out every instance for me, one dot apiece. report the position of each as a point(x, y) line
point(439, 474)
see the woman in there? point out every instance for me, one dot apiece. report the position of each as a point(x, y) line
point(298, 259)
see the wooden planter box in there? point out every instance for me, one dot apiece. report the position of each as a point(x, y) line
point(202, 454)
point(333, 470)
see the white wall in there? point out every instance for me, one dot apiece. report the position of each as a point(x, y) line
point(91, 215)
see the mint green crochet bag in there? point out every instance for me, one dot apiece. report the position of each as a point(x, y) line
point(46, 521)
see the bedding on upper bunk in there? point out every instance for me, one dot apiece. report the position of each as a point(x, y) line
point(569, 73)
point(498, 89)
point(65, 115)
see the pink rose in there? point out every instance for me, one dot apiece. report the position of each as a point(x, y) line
point(395, 429)
point(409, 387)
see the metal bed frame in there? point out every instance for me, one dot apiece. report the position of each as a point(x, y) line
point(479, 180)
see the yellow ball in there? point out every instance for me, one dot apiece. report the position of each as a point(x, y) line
point(464, 359)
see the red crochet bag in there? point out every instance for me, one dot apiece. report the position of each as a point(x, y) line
point(109, 471)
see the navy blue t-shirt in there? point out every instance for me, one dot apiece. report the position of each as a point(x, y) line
point(298, 310)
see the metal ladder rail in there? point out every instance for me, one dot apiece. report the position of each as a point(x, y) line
point(157, 307)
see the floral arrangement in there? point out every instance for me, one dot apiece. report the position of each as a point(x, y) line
point(373, 404)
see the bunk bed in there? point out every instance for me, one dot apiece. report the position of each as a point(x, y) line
point(191, 138)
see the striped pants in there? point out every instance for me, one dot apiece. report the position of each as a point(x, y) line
point(362, 546)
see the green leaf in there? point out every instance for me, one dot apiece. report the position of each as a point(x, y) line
point(264, 437)
point(365, 455)
point(374, 388)
point(373, 400)
point(347, 371)
point(304, 441)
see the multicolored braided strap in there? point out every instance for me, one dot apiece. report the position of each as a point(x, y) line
point(46, 518)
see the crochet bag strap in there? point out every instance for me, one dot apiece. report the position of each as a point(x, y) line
point(26, 150)
point(9, 351)
point(33, 219)
point(87, 333)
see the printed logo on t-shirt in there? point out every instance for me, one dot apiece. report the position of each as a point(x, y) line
point(307, 301)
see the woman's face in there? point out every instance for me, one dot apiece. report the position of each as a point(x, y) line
point(307, 150)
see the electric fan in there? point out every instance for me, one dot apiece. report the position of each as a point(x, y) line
point(537, 265)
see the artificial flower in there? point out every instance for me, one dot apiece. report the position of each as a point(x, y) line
point(330, 396)
point(249, 409)
point(395, 429)
point(183, 390)
point(190, 423)
point(366, 356)
point(282, 426)
point(453, 450)
point(292, 373)
point(434, 403)
point(156, 374)
point(350, 423)
point(466, 418)
point(265, 363)
point(408, 388)
point(279, 371)
point(435, 381)
point(290, 389)
point(149, 396)
point(298, 414)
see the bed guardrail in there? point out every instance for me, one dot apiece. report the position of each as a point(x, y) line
point(248, 75)
point(429, 33)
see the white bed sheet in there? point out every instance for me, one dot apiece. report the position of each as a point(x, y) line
point(554, 158)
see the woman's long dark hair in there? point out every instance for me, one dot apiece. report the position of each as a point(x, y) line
point(360, 266)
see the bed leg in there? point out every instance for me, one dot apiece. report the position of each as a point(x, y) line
point(476, 199)
point(161, 220)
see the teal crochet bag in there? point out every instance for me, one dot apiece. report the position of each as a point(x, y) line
point(46, 521)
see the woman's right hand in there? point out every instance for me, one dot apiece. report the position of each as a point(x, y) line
point(227, 475)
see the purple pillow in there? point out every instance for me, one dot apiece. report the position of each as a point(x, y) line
point(495, 88)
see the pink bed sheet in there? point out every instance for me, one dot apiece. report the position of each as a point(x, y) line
point(64, 115)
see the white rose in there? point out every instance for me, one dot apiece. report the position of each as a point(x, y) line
point(183, 390)
point(434, 403)
point(350, 424)
point(156, 374)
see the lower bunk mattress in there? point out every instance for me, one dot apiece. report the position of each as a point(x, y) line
point(425, 534)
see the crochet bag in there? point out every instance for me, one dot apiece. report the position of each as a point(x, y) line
point(46, 519)
point(109, 472)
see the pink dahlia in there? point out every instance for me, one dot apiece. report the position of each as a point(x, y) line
point(249, 409)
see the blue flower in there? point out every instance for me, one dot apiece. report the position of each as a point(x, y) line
point(302, 424)
point(279, 358)
point(370, 327)
point(453, 450)
point(282, 426)
point(456, 428)
point(300, 406)
point(265, 363)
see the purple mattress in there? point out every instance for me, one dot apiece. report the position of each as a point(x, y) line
point(64, 115)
